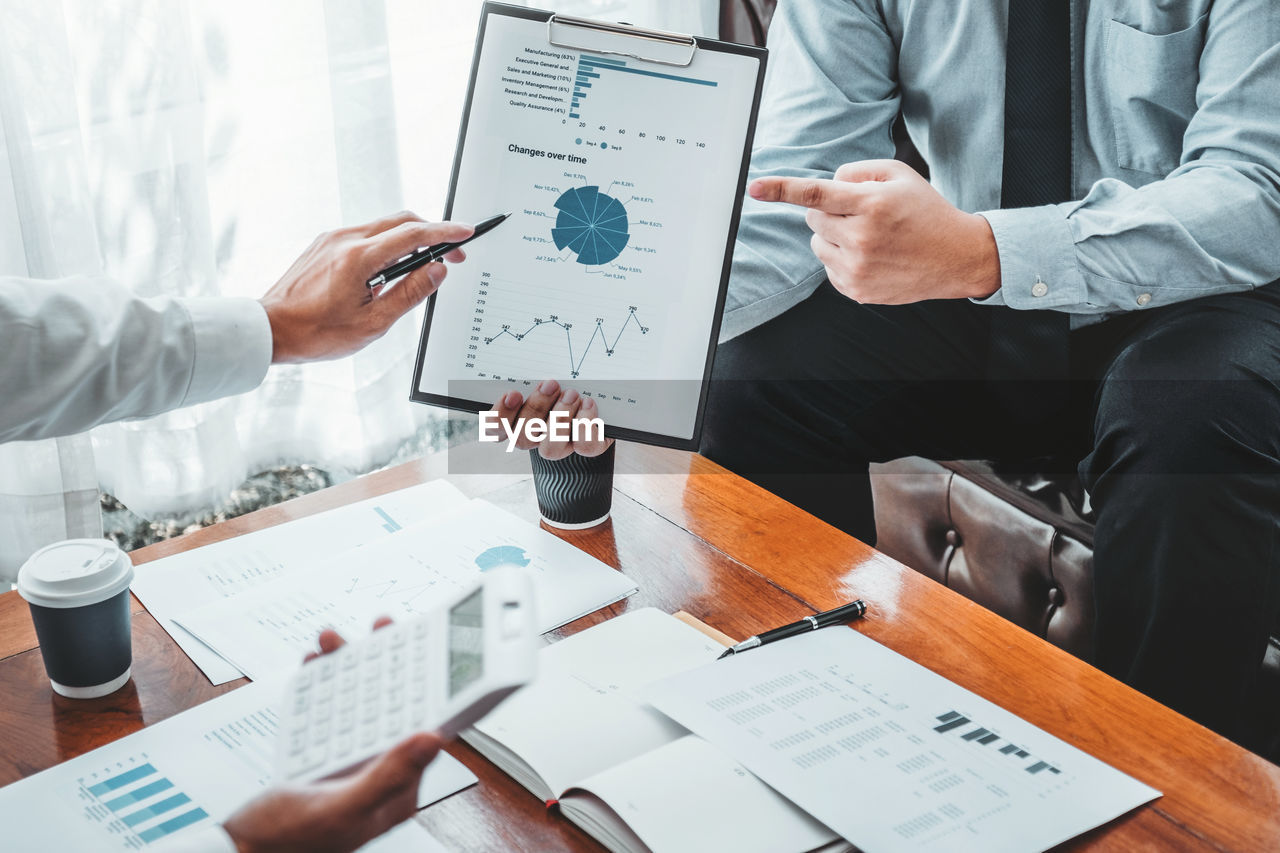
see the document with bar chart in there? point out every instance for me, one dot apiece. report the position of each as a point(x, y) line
point(891, 755)
point(624, 177)
point(176, 777)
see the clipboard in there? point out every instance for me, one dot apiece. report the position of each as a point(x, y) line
point(662, 56)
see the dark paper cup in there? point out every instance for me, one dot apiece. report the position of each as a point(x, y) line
point(575, 492)
point(78, 592)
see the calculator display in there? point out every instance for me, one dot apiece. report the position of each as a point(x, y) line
point(466, 642)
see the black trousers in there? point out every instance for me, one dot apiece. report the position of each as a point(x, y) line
point(1171, 416)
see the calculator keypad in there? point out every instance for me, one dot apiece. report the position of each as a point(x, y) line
point(356, 702)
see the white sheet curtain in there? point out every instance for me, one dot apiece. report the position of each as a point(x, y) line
point(196, 147)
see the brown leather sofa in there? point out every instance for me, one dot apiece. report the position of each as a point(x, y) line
point(1019, 544)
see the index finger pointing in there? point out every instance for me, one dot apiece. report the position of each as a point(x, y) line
point(828, 196)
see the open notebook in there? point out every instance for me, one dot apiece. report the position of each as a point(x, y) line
point(629, 776)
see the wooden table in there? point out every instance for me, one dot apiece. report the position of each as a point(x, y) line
point(700, 539)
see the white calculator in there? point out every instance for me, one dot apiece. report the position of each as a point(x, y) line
point(440, 672)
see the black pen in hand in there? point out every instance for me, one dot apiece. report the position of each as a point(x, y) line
point(839, 616)
point(424, 256)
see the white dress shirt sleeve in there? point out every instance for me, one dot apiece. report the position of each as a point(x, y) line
point(84, 351)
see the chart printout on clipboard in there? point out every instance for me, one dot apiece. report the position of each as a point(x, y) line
point(624, 177)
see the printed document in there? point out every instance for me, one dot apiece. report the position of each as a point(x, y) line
point(180, 583)
point(890, 755)
point(623, 178)
point(267, 630)
point(177, 776)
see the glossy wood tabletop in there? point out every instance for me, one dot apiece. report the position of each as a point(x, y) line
point(700, 539)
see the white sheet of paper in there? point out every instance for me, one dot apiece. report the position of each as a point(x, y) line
point(577, 717)
point(176, 584)
point(182, 773)
point(408, 837)
point(890, 755)
point(266, 631)
point(689, 796)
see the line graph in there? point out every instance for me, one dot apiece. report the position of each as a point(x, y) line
point(569, 330)
point(406, 594)
point(575, 360)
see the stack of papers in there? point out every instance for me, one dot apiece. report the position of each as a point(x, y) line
point(253, 605)
point(185, 581)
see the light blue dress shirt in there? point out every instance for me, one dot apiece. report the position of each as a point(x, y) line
point(1175, 141)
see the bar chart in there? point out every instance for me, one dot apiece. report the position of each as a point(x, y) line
point(591, 67)
point(134, 801)
point(954, 720)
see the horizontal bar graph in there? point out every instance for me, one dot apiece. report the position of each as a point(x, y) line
point(590, 68)
point(138, 795)
point(155, 810)
point(128, 778)
point(979, 736)
point(139, 803)
point(171, 826)
point(391, 525)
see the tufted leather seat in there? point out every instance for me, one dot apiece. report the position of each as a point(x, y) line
point(1020, 545)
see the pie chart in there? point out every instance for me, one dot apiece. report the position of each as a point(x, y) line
point(591, 224)
point(502, 555)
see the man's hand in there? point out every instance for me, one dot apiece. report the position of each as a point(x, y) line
point(549, 397)
point(337, 816)
point(340, 815)
point(887, 237)
point(322, 308)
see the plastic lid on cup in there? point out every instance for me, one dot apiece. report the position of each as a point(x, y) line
point(75, 573)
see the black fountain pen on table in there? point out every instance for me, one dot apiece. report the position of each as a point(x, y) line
point(426, 255)
point(839, 616)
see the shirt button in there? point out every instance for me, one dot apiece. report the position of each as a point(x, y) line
point(1144, 299)
point(1039, 289)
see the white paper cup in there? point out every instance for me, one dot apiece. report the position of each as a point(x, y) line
point(78, 591)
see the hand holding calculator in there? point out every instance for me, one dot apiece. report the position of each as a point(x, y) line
point(440, 672)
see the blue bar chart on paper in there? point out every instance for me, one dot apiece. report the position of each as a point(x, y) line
point(137, 803)
point(589, 71)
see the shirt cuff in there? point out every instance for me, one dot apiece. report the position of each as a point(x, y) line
point(1038, 267)
point(209, 839)
point(232, 347)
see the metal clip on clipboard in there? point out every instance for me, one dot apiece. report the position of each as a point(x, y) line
point(621, 40)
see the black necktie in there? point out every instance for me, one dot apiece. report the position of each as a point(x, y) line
point(1032, 345)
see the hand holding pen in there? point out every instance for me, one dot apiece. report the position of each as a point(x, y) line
point(321, 309)
point(428, 254)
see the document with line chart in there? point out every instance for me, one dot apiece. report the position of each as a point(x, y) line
point(624, 177)
point(265, 631)
point(172, 585)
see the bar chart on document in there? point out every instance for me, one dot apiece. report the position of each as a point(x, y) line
point(621, 175)
point(134, 801)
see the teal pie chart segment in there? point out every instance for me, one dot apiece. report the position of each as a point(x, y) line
point(592, 225)
point(502, 555)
